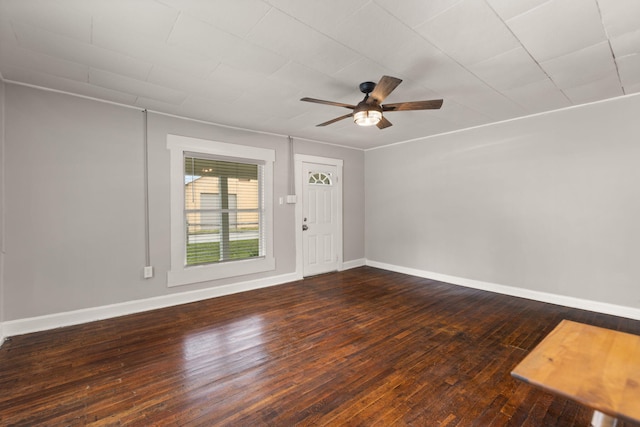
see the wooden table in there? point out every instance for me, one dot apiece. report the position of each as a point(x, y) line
point(596, 367)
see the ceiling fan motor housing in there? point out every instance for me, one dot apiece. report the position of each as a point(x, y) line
point(367, 87)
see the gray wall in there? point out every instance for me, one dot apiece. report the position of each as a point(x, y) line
point(1, 208)
point(75, 206)
point(548, 203)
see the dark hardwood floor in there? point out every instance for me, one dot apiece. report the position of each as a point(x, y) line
point(361, 347)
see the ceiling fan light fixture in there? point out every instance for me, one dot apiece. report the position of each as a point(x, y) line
point(367, 115)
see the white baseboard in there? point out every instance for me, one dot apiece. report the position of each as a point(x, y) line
point(57, 320)
point(43, 323)
point(51, 321)
point(567, 301)
point(347, 265)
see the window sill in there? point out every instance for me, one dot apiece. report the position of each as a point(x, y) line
point(206, 273)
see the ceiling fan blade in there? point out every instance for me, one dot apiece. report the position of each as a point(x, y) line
point(335, 104)
point(337, 119)
point(385, 86)
point(433, 104)
point(384, 123)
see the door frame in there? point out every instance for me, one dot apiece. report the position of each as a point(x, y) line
point(299, 159)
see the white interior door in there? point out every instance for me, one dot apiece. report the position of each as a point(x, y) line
point(320, 219)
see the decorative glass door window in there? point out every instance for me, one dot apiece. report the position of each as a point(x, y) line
point(320, 178)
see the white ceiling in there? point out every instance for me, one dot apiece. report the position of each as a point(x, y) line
point(246, 63)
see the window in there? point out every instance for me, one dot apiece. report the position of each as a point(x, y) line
point(217, 230)
point(221, 210)
point(320, 178)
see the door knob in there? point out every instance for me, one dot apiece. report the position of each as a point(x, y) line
point(304, 227)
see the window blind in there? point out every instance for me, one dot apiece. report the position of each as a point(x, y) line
point(223, 210)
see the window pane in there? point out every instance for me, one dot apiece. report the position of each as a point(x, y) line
point(319, 178)
point(223, 210)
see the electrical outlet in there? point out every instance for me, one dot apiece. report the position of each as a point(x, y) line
point(148, 272)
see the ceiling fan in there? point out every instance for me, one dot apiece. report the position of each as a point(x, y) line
point(369, 111)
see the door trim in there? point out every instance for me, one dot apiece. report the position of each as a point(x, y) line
point(299, 159)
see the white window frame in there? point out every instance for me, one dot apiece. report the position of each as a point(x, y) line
point(180, 274)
